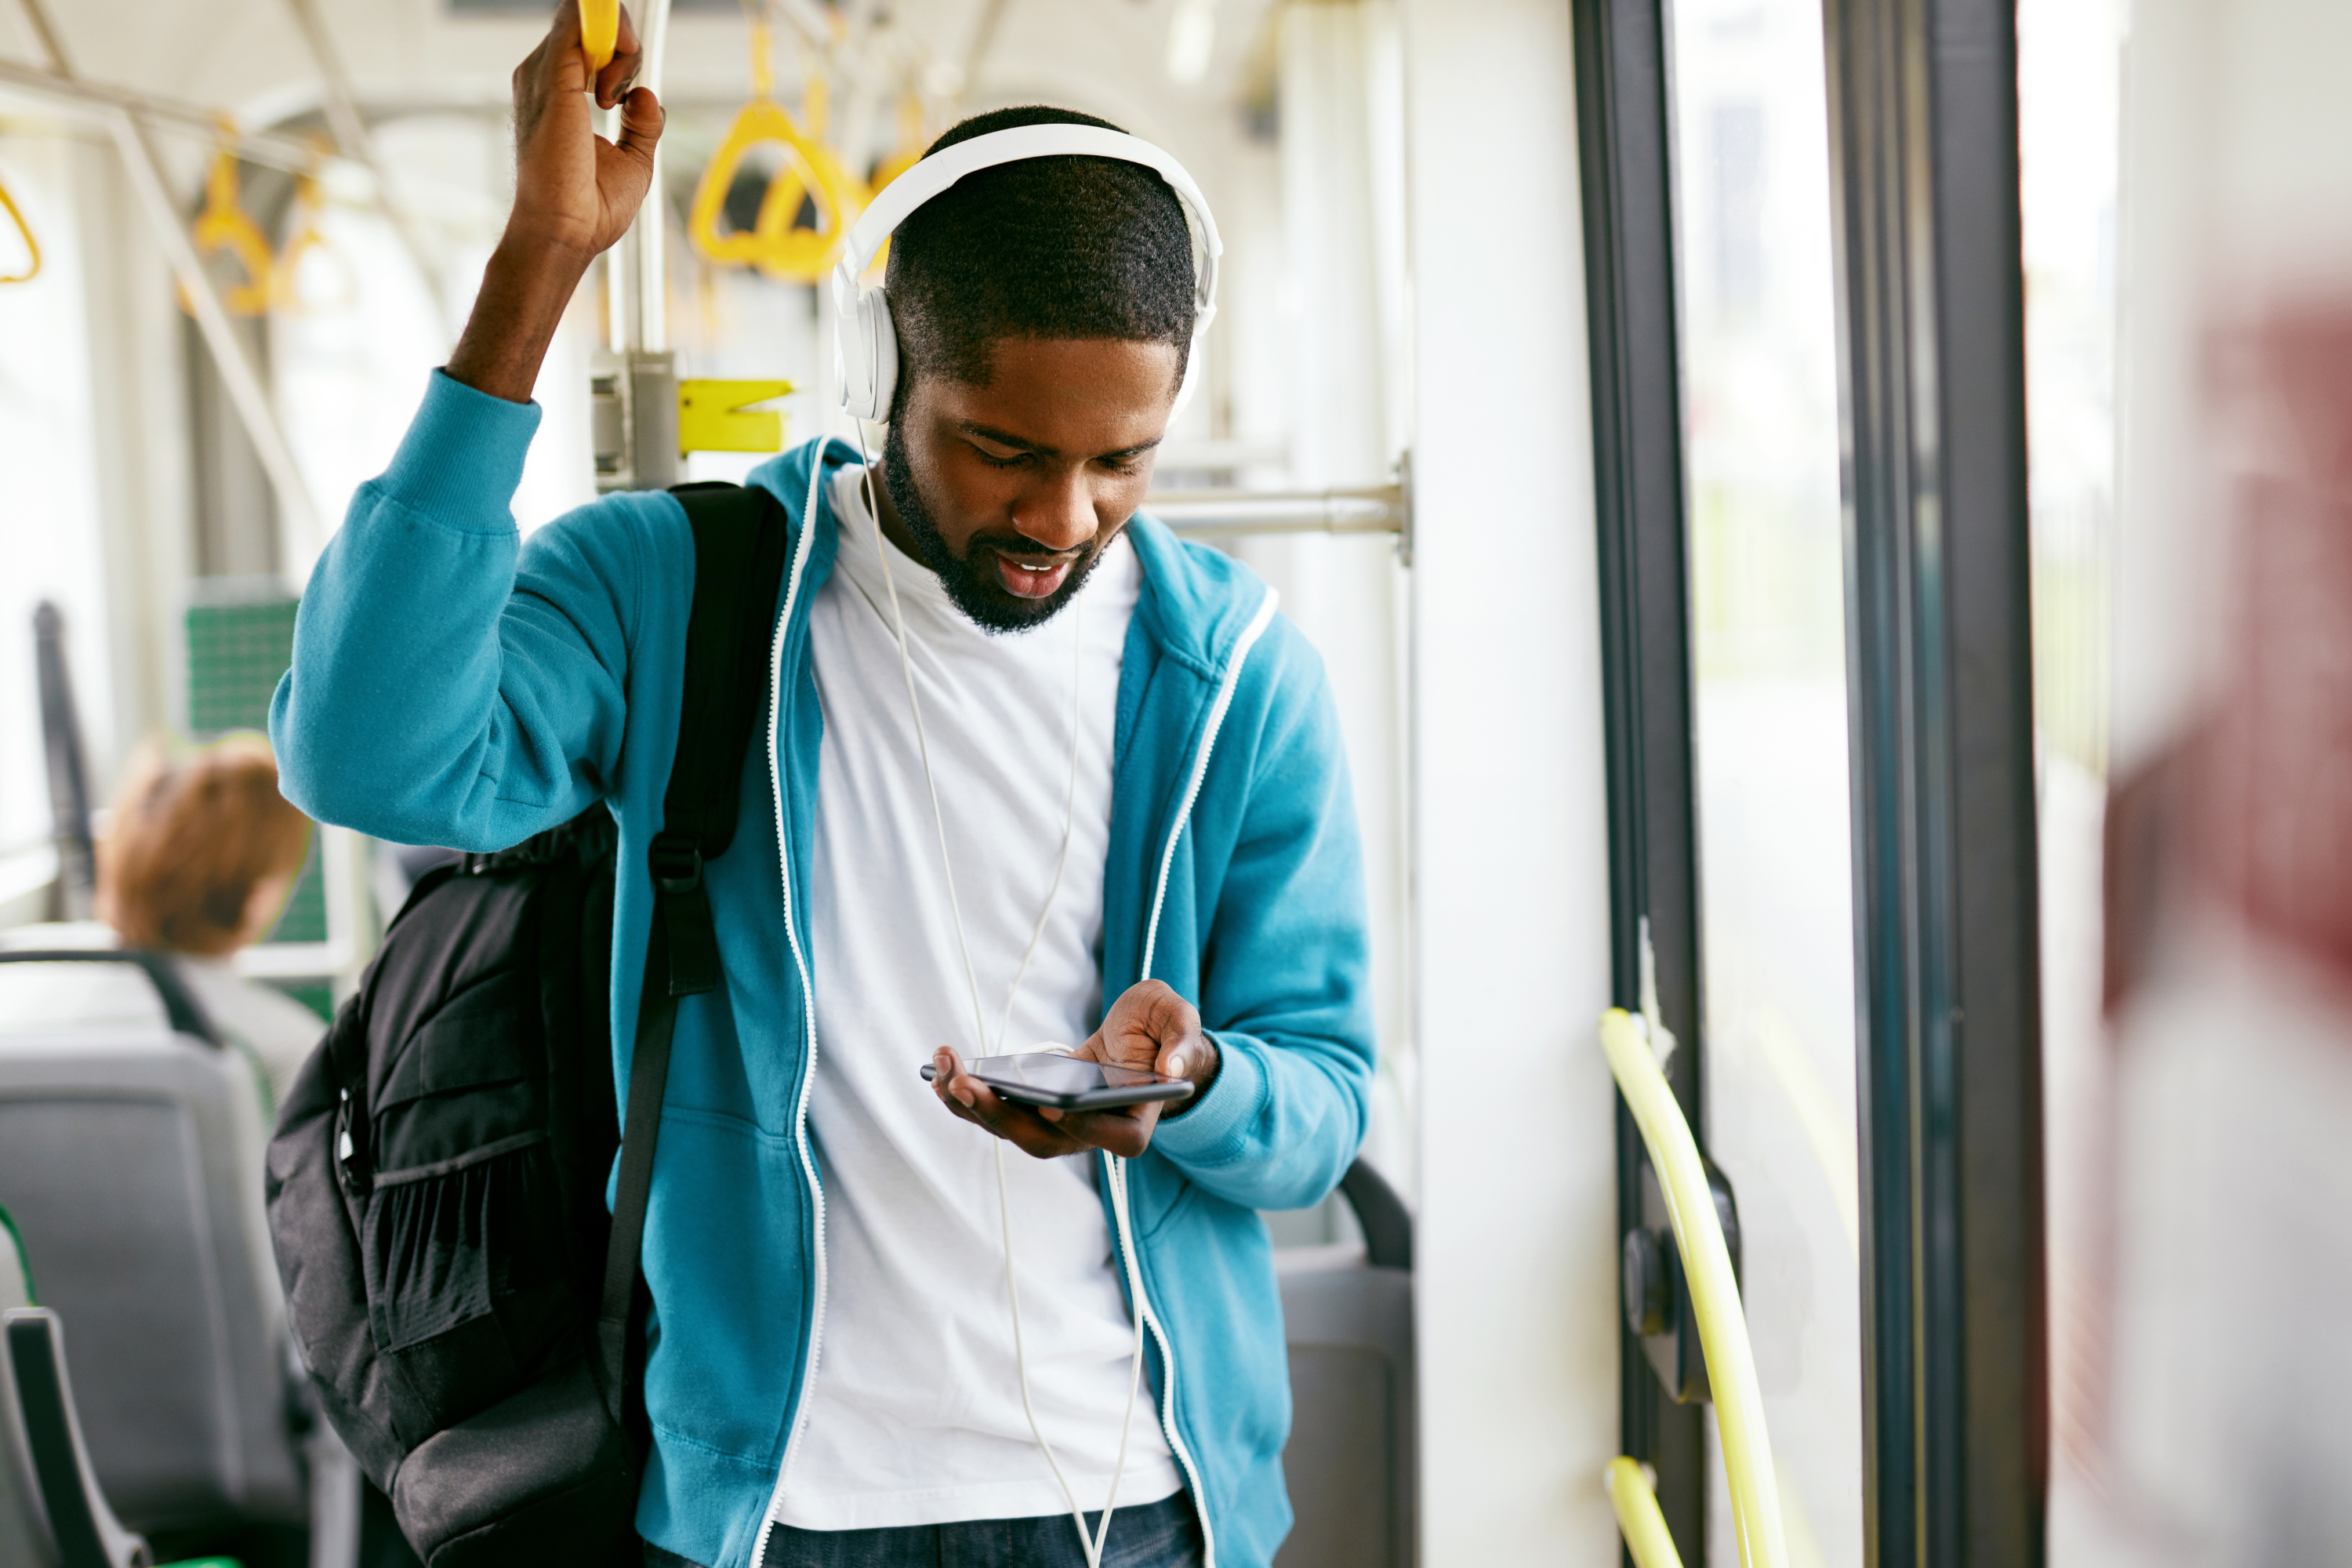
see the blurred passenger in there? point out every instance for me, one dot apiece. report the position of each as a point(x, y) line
point(199, 861)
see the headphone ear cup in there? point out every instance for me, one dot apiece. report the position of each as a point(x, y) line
point(866, 353)
point(882, 337)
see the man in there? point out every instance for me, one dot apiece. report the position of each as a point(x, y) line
point(831, 1375)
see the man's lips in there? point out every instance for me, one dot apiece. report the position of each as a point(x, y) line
point(1023, 583)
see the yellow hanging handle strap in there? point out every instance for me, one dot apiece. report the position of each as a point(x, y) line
point(1715, 1294)
point(600, 32)
point(224, 225)
point(25, 231)
point(286, 290)
point(910, 144)
point(811, 171)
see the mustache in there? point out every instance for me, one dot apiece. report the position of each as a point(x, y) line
point(1024, 550)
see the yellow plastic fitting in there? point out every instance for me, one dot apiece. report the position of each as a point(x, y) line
point(600, 32)
point(1714, 1291)
point(717, 417)
point(25, 231)
point(1636, 1502)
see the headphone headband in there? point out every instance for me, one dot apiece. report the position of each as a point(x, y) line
point(932, 176)
point(866, 344)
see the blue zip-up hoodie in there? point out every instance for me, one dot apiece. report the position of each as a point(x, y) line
point(453, 685)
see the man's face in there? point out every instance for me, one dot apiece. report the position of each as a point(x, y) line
point(1011, 492)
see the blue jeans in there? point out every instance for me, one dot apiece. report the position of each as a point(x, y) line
point(1165, 1534)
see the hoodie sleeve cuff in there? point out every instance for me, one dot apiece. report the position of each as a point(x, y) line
point(462, 459)
point(1212, 1131)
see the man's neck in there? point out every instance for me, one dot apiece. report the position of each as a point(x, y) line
point(894, 527)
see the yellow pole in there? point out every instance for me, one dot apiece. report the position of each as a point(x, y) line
point(1636, 1502)
point(1714, 1289)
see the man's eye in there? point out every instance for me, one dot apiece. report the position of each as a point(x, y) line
point(993, 462)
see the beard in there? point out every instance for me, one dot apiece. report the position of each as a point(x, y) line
point(970, 579)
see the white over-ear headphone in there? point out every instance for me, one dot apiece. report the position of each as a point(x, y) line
point(866, 344)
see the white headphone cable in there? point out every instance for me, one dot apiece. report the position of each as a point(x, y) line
point(1090, 1541)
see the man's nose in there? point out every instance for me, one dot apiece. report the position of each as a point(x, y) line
point(1058, 513)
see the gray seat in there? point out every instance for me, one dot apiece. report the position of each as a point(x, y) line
point(52, 1513)
point(131, 1156)
point(1353, 1459)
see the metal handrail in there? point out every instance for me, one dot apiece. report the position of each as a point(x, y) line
point(1714, 1289)
point(267, 148)
point(1211, 513)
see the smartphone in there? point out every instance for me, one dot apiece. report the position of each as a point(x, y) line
point(1068, 1083)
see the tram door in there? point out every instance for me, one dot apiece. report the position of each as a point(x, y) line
point(1769, 764)
point(1805, 289)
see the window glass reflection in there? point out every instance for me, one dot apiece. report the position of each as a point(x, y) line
point(1768, 627)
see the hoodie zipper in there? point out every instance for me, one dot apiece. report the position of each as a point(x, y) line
point(808, 994)
point(1142, 1304)
point(1248, 639)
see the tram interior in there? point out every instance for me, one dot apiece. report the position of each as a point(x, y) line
point(237, 239)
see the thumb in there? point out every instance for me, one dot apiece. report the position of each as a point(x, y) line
point(642, 118)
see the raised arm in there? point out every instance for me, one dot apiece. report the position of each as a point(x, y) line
point(448, 686)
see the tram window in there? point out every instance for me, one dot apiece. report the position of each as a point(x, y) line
point(1759, 379)
point(2069, 102)
point(350, 357)
point(50, 533)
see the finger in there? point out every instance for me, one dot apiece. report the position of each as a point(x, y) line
point(950, 1081)
point(1126, 1133)
point(641, 120)
point(557, 65)
point(1021, 1126)
point(613, 77)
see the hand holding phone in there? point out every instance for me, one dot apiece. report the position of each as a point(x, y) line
point(1071, 1083)
point(1151, 1053)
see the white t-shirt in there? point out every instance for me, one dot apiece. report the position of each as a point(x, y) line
point(914, 1414)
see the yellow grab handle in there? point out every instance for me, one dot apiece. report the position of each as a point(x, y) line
point(772, 244)
point(285, 289)
point(1714, 1289)
point(32, 246)
point(1644, 1527)
point(224, 225)
point(715, 416)
point(600, 32)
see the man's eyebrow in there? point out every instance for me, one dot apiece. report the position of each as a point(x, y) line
point(1004, 439)
point(1021, 444)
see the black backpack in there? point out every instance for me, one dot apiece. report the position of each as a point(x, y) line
point(468, 1311)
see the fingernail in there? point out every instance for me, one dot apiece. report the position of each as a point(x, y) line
point(1176, 1065)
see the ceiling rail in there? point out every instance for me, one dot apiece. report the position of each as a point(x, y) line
point(101, 100)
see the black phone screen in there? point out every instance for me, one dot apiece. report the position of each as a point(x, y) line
point(1049, 1077)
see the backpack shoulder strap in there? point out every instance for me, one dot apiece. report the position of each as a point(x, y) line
point(738, 563)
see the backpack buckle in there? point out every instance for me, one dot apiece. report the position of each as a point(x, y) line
point(676, 861)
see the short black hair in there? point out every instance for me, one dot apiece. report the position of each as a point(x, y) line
point(1046, 247)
